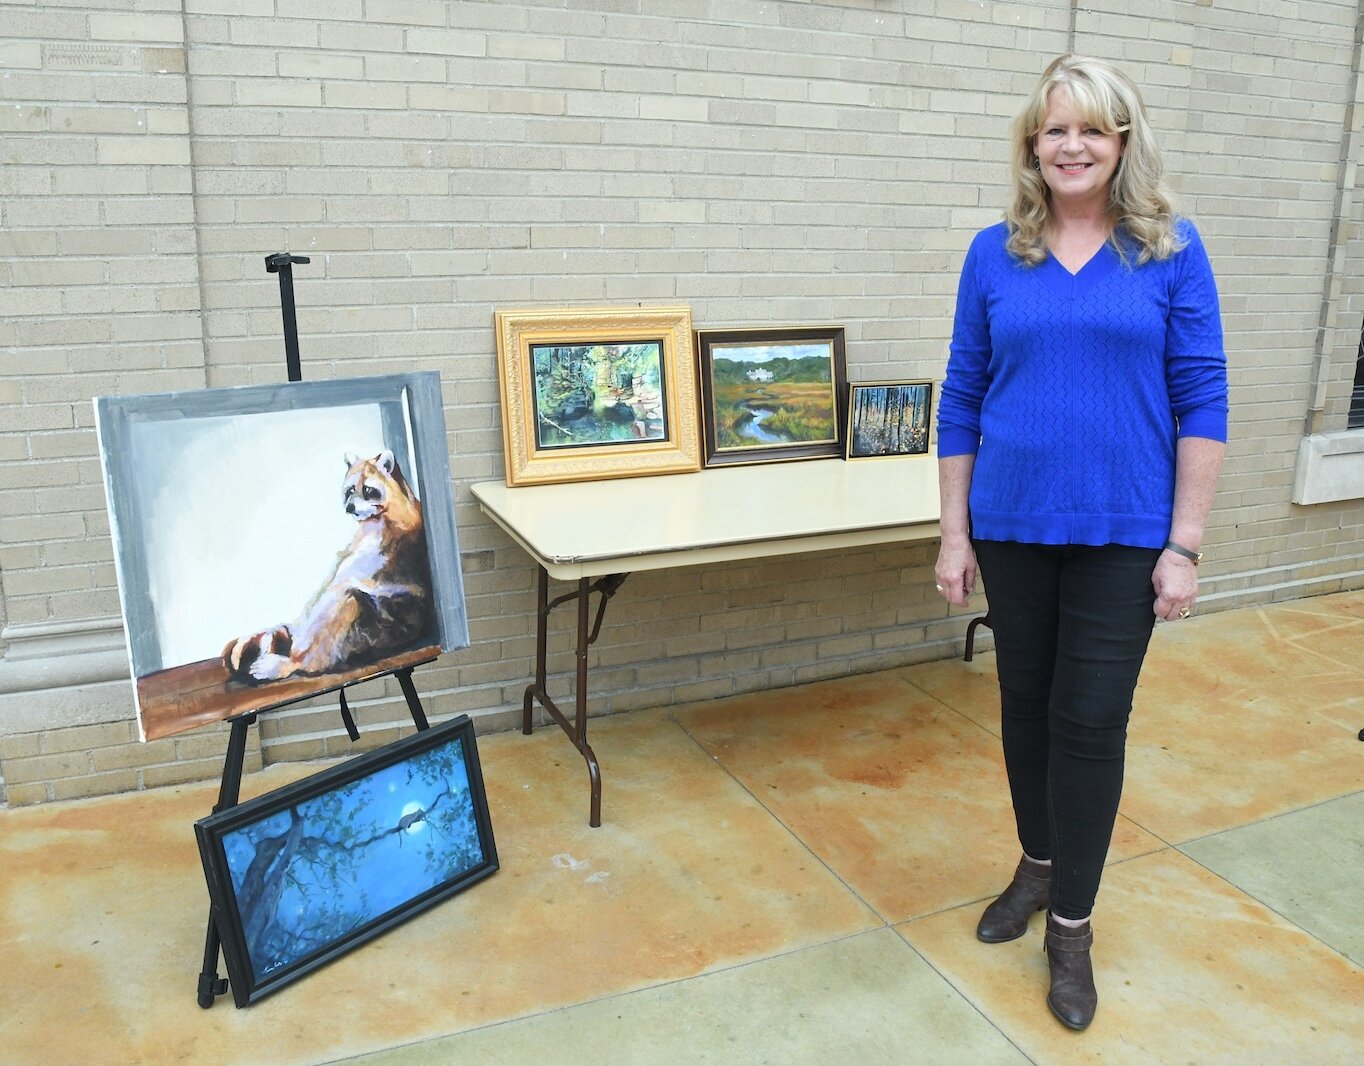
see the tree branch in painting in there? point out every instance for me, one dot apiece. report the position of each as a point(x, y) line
point(322, 868)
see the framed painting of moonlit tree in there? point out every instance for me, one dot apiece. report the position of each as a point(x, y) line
point(312, 870)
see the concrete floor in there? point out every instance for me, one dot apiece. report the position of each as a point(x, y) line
point(792, 876)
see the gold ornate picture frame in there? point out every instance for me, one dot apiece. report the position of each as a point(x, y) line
point(598, 392)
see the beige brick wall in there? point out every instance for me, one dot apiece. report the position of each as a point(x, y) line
point(95, 760)
point(762, 161)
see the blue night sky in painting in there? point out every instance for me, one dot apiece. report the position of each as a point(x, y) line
point(308, 875)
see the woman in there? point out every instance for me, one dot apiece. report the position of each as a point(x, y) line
point(1080, 433)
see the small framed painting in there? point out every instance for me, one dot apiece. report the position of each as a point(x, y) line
point(597, 393)
point(309, 871)
point(772, 394)
point(888, 418)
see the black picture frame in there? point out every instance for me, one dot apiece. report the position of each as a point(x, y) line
point(805, 396)
point(303, 874)
point(889, 419)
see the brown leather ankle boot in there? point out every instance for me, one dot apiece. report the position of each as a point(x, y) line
point(1007, 917)
point(1073, 998)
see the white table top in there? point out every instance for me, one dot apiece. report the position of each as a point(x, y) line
point(590, 528)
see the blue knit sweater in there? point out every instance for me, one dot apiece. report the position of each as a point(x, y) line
point(1071, 390)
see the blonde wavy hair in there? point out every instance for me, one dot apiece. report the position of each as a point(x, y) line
point(1138, 206)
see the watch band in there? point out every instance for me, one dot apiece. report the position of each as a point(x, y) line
point(1179, 549)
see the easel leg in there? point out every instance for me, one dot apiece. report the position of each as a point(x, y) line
point(210, 984)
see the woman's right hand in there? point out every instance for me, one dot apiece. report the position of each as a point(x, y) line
point(956, 570)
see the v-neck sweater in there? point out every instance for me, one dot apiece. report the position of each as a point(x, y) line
point(1072, 389)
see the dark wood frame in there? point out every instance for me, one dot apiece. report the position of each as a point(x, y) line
point(707, 340)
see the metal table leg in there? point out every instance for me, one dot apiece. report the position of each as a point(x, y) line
point(537, 690)
point(983, 620)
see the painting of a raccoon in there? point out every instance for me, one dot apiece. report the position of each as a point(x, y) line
point(377, 600)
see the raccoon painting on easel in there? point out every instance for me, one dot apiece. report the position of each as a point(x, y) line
point(377, 599)
point(277, 541)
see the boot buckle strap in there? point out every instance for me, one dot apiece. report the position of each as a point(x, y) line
point(1069, 943)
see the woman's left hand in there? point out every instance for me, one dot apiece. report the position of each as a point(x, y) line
point(1176, 583)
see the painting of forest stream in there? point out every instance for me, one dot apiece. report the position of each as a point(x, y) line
point(598, 394)
point(313, 869)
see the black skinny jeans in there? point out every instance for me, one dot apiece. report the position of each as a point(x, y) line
point(1071, 626)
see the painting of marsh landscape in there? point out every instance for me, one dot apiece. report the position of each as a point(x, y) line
point(889, 418)
point(772, 396)
point(598, 394)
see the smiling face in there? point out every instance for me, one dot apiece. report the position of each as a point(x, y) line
point(1077, 160)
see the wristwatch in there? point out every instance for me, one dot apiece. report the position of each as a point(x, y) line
point(1179, 549)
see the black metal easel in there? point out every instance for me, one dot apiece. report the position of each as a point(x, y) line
point(210, 984)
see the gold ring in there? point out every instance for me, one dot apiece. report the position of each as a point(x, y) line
point(1183, 612)
point(938, 587)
